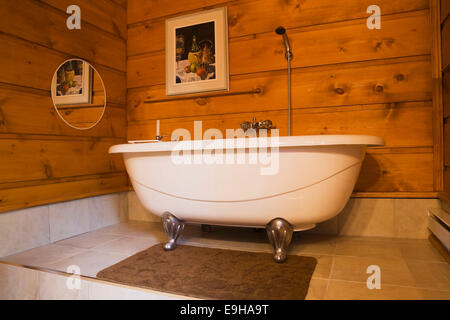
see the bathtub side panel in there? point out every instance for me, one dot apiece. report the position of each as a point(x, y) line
point(301, 208)
point(256, 177)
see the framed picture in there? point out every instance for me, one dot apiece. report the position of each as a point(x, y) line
point(197, 52)
point(72, 83)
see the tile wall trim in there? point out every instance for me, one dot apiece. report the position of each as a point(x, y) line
point(96, 219)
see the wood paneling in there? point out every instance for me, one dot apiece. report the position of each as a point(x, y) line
point(346, 40)
point(441, 75)
point(446, 46)
point(445, 10)
point(82, 117)
point(346, 79)
point(122, 3)
point(436, 75)
point(40, 23)
point(446, 94)
point(445, 195)
point(257, 16)
point(30, 159)
point(139, 10)
point(359, 83)
point(401, 35)
point(42, 160)
point(401, 125)
point(397, 169)
point(31, 111)
point(98, 90)
point(104, 14)
point(447, 143)
point(34, 66)
point(55, 190)
point(403, 195)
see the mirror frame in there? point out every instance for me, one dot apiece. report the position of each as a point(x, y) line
point(53, 89)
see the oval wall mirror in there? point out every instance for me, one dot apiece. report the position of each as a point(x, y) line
point(78, 94)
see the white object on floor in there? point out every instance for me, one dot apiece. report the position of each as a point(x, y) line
point(439, 223)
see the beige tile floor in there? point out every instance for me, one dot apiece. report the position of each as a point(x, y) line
point(410, 269)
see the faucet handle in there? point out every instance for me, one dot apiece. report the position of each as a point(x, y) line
point(266, 124)
point(160, 137)
point(246, 125)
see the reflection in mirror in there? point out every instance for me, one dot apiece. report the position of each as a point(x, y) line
point(78, 94)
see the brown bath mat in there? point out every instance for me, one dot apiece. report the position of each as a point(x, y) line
point(214, 273)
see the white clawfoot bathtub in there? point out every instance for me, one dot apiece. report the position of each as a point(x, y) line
point(309, 179)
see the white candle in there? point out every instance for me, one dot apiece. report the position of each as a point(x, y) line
point(157, 128)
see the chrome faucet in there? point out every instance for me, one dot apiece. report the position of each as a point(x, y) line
point(266, 124)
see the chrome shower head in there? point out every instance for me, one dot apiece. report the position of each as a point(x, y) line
point(282, 32)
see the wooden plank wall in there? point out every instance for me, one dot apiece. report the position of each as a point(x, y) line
point(444, 26)
point(346, 79)
point(42, 160)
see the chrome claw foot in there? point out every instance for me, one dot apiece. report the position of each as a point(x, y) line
point(173, 228)
point(280, 233)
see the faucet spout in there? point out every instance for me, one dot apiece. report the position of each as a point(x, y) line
point(266, 124)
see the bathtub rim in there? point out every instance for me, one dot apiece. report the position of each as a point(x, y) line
point(246, 143)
